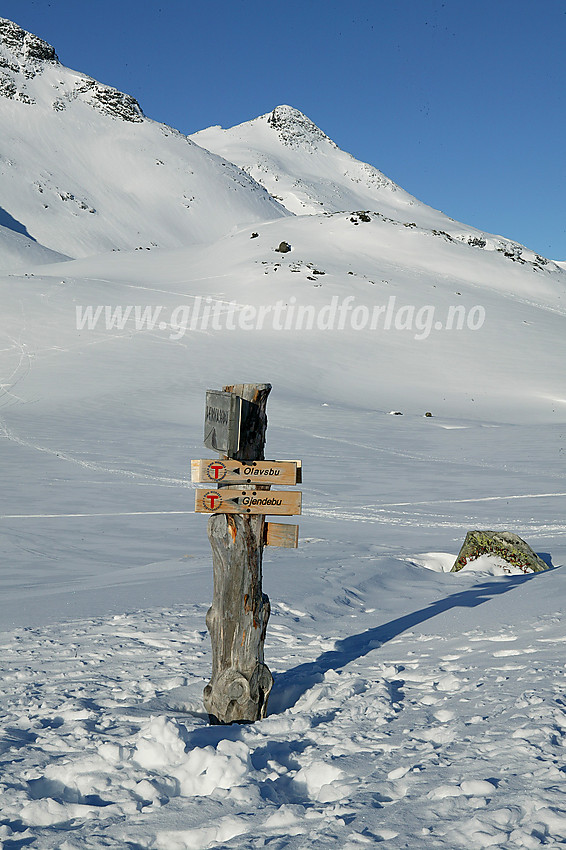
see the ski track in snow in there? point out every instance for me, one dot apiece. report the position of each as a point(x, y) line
point(436, 740)
point(422, 457)
point(20, 372)
point(412, 519)
point(9, 434)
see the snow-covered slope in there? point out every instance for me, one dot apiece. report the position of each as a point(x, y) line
point(19, 251)
point(410, 707)
point(84, 171)
point(503, 351)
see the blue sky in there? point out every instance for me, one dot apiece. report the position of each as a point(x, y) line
point(462, 104)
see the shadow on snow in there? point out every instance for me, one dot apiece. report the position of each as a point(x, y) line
point(292, 684)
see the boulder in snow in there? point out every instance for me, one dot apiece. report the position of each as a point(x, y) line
point(504, 544)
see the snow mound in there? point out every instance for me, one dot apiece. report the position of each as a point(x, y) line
point(442, 562)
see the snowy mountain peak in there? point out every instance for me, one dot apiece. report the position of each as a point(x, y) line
point(307, 172)
point(23, 45)
point(295, 128)
point(83, 171)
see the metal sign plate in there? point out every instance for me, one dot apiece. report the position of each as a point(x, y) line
point(222, 417)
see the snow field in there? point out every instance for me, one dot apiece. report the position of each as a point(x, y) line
point(452, 736)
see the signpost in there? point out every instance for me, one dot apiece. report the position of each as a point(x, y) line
point(235, 425)
point(229, 501)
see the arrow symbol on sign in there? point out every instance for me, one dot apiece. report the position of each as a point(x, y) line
point(212, 437)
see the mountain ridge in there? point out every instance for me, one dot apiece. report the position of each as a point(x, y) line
point(85, 171)
point(279, 149)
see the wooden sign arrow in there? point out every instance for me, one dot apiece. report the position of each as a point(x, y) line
point(232, 501)
point(246, 472)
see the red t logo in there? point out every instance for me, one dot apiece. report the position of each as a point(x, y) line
point(216, 468)
point(211, 499)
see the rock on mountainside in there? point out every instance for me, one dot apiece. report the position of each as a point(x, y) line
point(29, 53)
point(83, 171)
point(27, 45)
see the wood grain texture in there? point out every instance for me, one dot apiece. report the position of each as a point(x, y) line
point(210, 471)
point(231, 500)
point(237, 619)
point(281, 534)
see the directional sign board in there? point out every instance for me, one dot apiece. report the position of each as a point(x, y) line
point(281, 534)
point(222, 417)
point(246, 472)
point(236, 501)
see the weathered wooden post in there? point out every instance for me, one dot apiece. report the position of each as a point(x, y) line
point(237, 618)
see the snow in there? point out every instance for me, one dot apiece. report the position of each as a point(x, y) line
point(416, 723)
point(489, 564)
point(411, 706)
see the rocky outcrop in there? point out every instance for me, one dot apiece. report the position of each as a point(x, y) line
point(111, 101)
point(294, 128)
point(24, 44)
point(503, 544)
point(23, 56)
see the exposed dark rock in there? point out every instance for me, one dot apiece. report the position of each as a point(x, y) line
point(26, 55)
point(114, 102)
point(283, 247)
point(25, 44)
point(443, 233)
point(7, 87)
